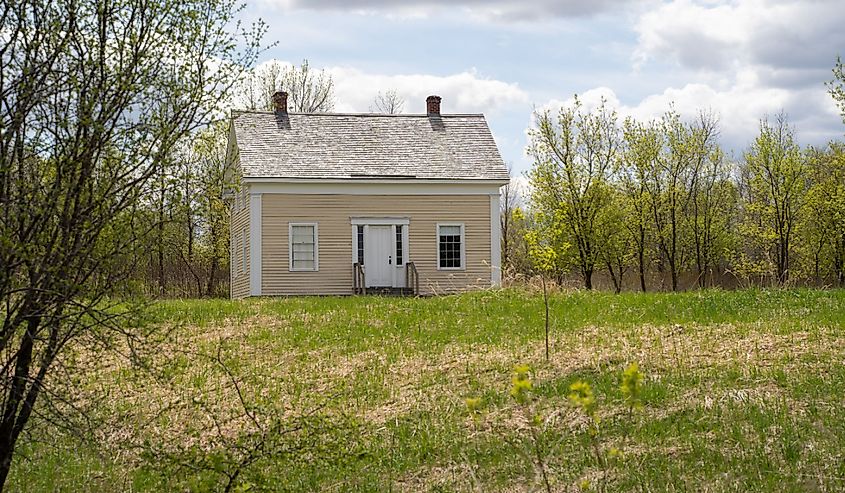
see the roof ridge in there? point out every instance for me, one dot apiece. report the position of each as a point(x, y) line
point(397, 115)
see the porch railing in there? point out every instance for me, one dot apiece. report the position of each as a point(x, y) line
point(359, 285)
point(412, 278)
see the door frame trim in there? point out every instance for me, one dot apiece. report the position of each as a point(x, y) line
point(398, 271)
point(379, 221)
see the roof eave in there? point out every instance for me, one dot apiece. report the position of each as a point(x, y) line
point(282, 179)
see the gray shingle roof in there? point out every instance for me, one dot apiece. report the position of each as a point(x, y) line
point(349, 146)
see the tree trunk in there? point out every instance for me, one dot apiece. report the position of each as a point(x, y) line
point(617, 288)
point(641, 259)
point(14, 396)
point(212, 277)
point(546, 304)
point(674, 273)
point(699, 262)
point(620, 267)
point(160, 251)
point(839, 261)
point(782, 264)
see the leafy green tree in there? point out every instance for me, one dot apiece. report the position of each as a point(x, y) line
point(616, 244)
point(546, 243)
point(668, 187)
point(824, 229)
point(712, 199)
point(774, 183)
point(544, 252)
point(94, 98)
point(210, 151)
point(187, 250)
point(836, 87)
point(194, 218)
point(575, 154)
point(519, 263)
point(642, 144)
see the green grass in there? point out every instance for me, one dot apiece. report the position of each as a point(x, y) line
point(744, 391)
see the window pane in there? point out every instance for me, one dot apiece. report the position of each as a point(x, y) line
point(303, 234)
point(306, 255)
point(398, 244)
point(303, 264)
point(361, 245)
point(302, 248)
point(449, 246)
point(303, 254)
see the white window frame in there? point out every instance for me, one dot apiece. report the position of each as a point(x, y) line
point(316, 247)
point(463, 246)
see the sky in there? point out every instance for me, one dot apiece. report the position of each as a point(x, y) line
point(741, 60)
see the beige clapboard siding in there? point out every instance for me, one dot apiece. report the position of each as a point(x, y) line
point(239, 223)
point(333, 214)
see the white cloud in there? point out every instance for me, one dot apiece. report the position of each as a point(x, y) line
point(719, 35)
point(464, 92)
point(739, 108)
point(743, 61)
point(693, 34)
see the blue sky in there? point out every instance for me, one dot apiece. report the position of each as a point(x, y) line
point(740, 60)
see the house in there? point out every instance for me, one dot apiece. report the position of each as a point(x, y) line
point(331, 203)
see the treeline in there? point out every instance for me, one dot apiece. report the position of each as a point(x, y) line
point(185, 250)
point(660, 205)
point(626, 203)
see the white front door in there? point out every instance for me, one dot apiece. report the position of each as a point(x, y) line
point(378, 256)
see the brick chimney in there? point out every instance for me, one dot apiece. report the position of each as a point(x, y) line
point(432, 105)
point(280, 102)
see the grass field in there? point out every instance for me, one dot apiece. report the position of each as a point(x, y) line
point(743, 391)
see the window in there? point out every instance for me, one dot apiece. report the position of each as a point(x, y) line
point(360, 242)
point(450, 246)
point(303, 246)
point(398, 244)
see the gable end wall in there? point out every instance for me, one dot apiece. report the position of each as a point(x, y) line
point(239, 221)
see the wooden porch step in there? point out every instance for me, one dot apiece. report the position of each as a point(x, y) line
point(390, 291)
